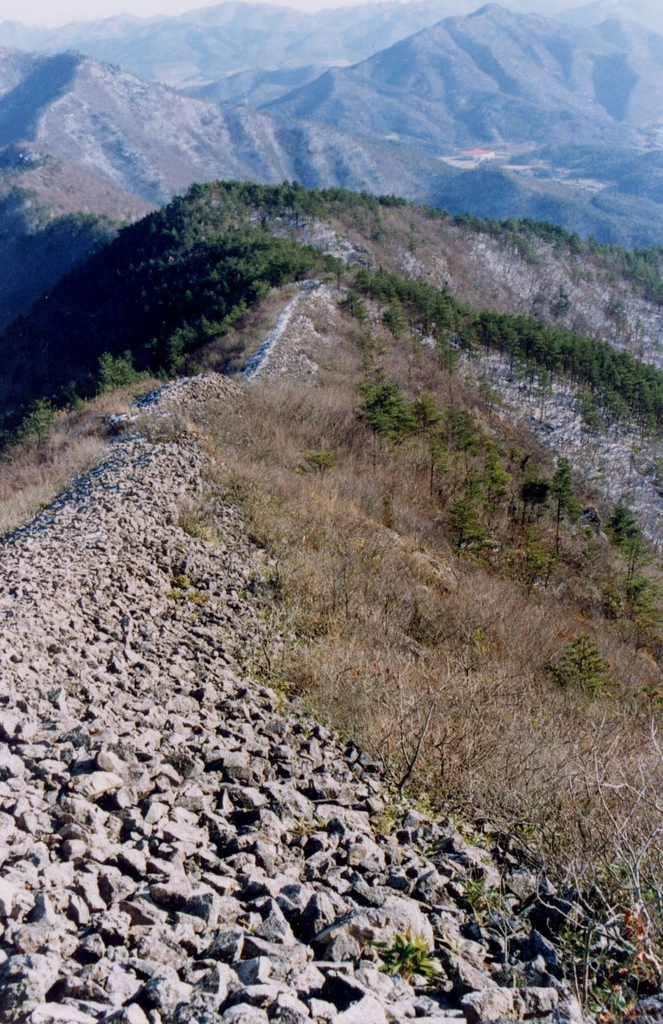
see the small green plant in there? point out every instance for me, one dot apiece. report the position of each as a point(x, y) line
point(482, 898)
point(456, 946)
point(181, 581)
point(198, 597)
point(609, 1001)
point(408, 956)
point(305, 827)
point(386, 821)
point(317, 462)
point(581, 666)
point(193, 526)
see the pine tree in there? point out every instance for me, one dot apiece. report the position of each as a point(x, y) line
point(581, 665)
point(395, 319)
point(494, 479)
point(464, 432)
point(385, 410)
point(464, 523)
point(317, 461)
point(354, 306)
point(439, 459)
point(561, 489)
point(534, 491)
point(427, 417)
point(36, 424)
point(426, 414)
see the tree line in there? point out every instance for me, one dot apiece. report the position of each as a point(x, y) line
point(623, 386)
point(183, 275)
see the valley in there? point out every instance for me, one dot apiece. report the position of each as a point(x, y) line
point(497, 113)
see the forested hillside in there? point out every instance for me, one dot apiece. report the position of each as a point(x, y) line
point(178, 280)
point(165, 287)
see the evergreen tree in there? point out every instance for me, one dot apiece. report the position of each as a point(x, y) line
point(317, 461)
point(581, 665)
point(439, 459)
point(465, 524)
point(115, 372)
point(534, 492)
point(395, 319)
point(642, 593)
point(36, 425)
point(354, 306)
point(426, 414)
point(428, 417)
point(532, 564)
point(464, 432)
point(561, 489)
point(385, 410)
point(494, 479)
point(623, 528)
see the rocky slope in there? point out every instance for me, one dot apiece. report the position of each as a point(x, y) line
point(179, 844)
point(152, 142)
point(490, 273)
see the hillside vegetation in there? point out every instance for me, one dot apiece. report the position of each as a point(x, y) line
point(176, 282)
point(435, 592)
point(446, 609)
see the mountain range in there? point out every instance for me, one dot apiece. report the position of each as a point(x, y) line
point(205, 44)
point(81, 137)
point(566, 122)
point(152, 142)
point(494, 77)
point(647, 13)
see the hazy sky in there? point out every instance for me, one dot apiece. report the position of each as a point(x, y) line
point(59, 12)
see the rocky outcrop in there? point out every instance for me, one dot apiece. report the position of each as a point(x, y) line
point(179, 843)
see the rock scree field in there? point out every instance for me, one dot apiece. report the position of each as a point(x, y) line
point(179, 843)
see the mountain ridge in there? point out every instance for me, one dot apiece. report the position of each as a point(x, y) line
point(481, 79)
point(365, 529)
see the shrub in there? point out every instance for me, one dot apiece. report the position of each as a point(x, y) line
point(407, 955)
point(317, 462)
point(581, 665)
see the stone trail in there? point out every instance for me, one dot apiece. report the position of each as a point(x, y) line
point(282, 355)
point(178, 844)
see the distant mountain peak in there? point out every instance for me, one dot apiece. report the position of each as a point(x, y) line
point(493, 9)
point(497, 13)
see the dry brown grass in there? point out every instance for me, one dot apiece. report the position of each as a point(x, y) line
point(430, 658)
point(34, 473)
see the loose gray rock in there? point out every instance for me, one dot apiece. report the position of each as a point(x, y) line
point(175, 845)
